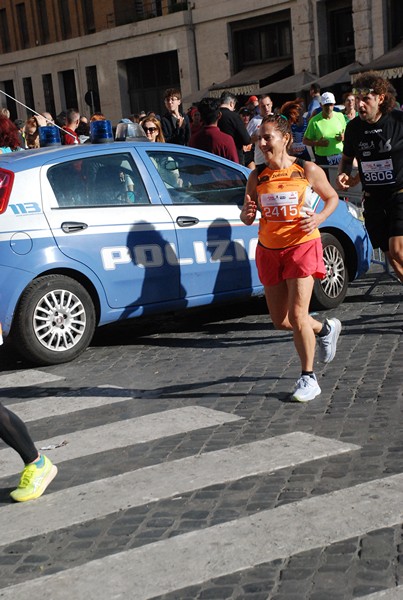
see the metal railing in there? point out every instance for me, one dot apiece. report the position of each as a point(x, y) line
point(353, 194)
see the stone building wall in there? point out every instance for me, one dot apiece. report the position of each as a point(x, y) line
point(203, 30)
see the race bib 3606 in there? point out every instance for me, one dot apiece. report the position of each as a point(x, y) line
point(378, 172)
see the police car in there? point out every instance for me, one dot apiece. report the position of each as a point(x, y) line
point(98, 233)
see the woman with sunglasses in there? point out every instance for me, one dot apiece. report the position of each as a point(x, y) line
point(289, 254)
point(152, 129)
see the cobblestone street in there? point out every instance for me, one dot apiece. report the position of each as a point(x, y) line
point(187, 473)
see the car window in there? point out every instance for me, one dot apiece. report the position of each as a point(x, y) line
point(103, 180)
point(191, 179)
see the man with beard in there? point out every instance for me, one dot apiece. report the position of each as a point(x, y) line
point(375, 139)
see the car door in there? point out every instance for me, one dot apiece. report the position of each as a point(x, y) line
point(203, 195)
point(104, 212)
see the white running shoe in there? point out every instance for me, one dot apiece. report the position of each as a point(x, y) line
point(307, 388)
point(328, 343)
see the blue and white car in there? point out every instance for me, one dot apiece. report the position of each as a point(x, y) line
point(98, 233)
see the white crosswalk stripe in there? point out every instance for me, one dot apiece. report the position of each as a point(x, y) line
point(97, 499)
point(27, 378)
point(392, 594)
point(196, 557)
point(55, 406)
point(120, 434)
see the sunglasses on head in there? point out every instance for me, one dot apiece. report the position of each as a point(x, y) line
point(362, 91)
point(150, 129)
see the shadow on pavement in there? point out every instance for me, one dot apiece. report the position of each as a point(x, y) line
point(211, 320)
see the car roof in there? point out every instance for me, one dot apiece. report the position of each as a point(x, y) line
point(36, 157)
point(29, 159)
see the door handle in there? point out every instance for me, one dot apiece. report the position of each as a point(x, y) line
point(187, 221)
point(72, 226)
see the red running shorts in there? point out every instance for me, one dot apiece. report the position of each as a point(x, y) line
point(295, 262)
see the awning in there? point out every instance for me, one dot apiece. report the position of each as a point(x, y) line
point(341, 75)
point(249, 79)
point(190, 99)
point(290, 85)
point(390, 64)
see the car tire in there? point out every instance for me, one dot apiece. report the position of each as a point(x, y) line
point(54, 322)
point(331, 291)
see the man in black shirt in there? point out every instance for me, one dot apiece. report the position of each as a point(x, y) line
point(175, 125)
point(231, 123)
point(375, 139)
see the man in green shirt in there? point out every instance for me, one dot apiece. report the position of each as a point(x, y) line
point(325, 132)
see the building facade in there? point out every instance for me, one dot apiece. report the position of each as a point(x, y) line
point(117, 56)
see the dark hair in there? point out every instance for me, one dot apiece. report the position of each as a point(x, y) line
point(209, 109)
point(380, 85)
point(8, 133)
point(263, 96)
point(72, 115)
point(83, 129)
point(315, 87)
point(61, 119)
point(172, 92)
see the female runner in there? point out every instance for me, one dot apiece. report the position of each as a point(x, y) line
point(289, 254)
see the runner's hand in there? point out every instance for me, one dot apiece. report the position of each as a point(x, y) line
point(310, 221)
point(343, 181)
point(248, 212)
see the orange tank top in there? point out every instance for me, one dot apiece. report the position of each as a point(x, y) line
point(283, 195)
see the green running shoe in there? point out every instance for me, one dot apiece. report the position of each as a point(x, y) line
point(34, 481)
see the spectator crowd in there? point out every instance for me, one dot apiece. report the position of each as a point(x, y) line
point(221, 126)
point(317, 135)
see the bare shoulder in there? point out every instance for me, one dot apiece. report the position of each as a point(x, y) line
point(311, 169)
point(253, 176)
point(314, 173)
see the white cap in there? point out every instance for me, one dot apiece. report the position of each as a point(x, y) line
point(327, 98)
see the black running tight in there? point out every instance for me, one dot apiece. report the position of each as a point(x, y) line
point(14, 432)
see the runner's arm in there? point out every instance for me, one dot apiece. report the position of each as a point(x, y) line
point(249, 209)
point(344, 179)
point(319, 182)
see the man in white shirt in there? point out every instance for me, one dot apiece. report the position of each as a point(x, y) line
point(314, 104)
point(265, 109)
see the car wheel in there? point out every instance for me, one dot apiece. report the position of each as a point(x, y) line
point(55, 320)
point(331, 291)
